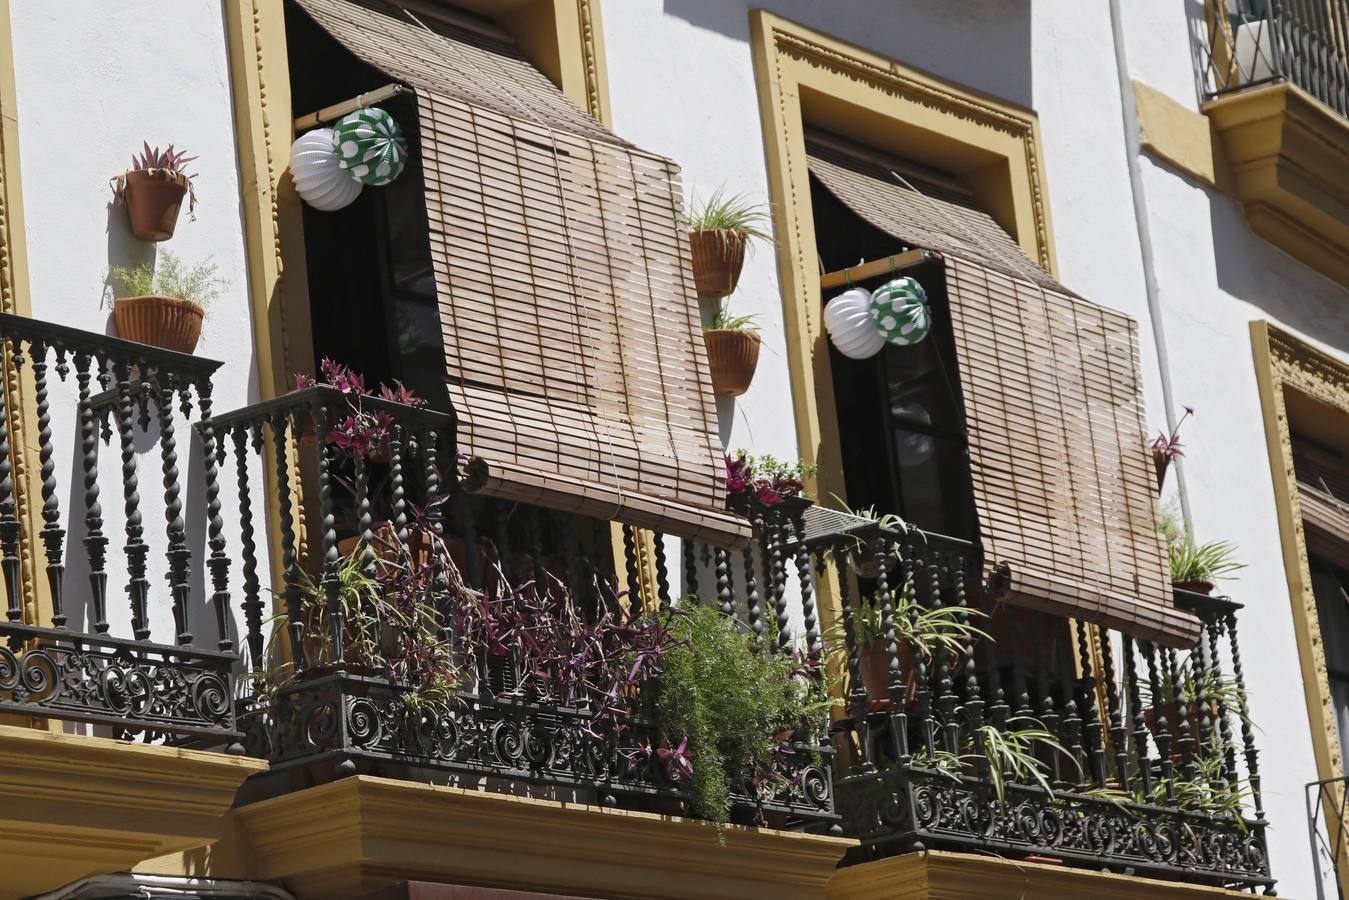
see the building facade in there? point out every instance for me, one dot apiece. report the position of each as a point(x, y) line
point(1117, 212)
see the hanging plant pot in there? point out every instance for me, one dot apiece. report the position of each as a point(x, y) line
point(1161, 461)
point(718, 257)
point(1194, 586)
point(873, 665)
point(733, 355)
point(166, 322)
point(153, 198)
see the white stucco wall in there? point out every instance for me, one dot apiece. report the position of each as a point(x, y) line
point(94, 80)
point(696, 102)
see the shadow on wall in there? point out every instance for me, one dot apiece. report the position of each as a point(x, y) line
point(1285, 290)
point(124, 249)
point(983, 44)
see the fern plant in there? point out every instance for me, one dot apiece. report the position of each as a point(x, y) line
point(730, 703)
point(199, 283)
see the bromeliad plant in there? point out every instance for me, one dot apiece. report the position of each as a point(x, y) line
point(152, 190)
point(1166, 448)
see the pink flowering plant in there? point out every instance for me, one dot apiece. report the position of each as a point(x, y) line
point(360, 430)
point(764, 479)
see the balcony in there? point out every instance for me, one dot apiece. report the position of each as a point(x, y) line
point(1275, 78)
point(992, 730)
point(74, 651)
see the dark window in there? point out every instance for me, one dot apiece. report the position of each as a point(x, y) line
point(899, 413)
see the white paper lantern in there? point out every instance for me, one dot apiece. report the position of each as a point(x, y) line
point(851, 327)
point(319, 178)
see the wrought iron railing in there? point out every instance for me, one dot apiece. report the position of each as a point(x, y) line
point(1036, 736)
point(1251, 42)
point(66, 662)
point(1327, 806)
point(325, 700)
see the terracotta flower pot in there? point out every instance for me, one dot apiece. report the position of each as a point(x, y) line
point(733, 355)
point(167, 322)
point(873, 665)
point(1161, 461)
point(153, 198)
point(718, 257)
point(1171, 711)
point(1195, 586)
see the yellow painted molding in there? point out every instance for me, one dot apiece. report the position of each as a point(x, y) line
point(20, 408)
point(804, 77)
point(938, 875)
point(1177, 135)
point(354, 835)
point(1288, 154)
point(76, 806)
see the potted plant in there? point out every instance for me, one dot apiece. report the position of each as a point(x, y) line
point(719, 231)
point(1194, 567)
point(1166, 447)
point(732, 352)
point(765, 482)
point(153, 189)
point(935, 631)
point(727, 706)
point(164, 305)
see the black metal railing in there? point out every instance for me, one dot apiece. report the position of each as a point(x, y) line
point(1024, 734)
point(68, 663)
point(325, 700)
point(1251, 42)
point(1327, 806)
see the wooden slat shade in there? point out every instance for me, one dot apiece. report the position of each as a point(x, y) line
point(1323, 496)
point(572, 338)
point(1053, 413)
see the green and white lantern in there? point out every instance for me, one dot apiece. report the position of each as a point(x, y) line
point(370, 146)
point(900, 310)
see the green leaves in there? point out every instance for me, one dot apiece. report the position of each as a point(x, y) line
point(170, 278)
point(732, 214)
point(1202, 562)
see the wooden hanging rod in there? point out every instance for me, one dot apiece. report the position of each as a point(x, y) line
point(338, 110)
point(865, 270)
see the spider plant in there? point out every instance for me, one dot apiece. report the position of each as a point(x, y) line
point(1010, 753)
point(730, 214)
point(723, 320)
point(937, 629)
point(1202, 562)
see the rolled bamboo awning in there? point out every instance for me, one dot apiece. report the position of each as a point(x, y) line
point(573, 347)
point(1053, 411)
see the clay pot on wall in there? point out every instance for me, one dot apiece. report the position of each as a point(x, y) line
point(153, 198)
point(732, 355)
point(166, 322)
point(718, 257)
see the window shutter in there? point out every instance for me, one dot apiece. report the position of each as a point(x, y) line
point(573, 347)
point(1053, 410)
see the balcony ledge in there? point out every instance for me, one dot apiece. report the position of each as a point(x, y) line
point(1288, 154)
point(352, 836)
point(934, 874)
point(76, 806)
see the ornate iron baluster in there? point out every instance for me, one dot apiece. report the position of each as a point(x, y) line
point(775, 534)
point(332, 587)
point(283, 425)
point(896, 689)
point(1118, 733)
point(1243, 713)
point(1140, 732)
point(856, 692)
point(753, 605)
point(1224, 724)
point(95, 543)
point(252, 602)
point(1049, 715)
point(178, 555)
point(1091, 718)
point(809, 612)
point(138, 586)
point(635, 599)
point(662, 570)
point(1161, 728)
point(923, 705)
point(53, 535)
point(1186, 740)
point(217, 563)
point(690, 556)
point(9, 522)
point(725, 598)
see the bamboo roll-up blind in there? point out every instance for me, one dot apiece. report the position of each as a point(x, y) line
point(572, 338)
point(1053, 413)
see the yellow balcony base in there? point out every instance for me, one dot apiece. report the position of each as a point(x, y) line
point(944, 876)
point(355, 835)
point(73, 806)
point(1288, 154)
